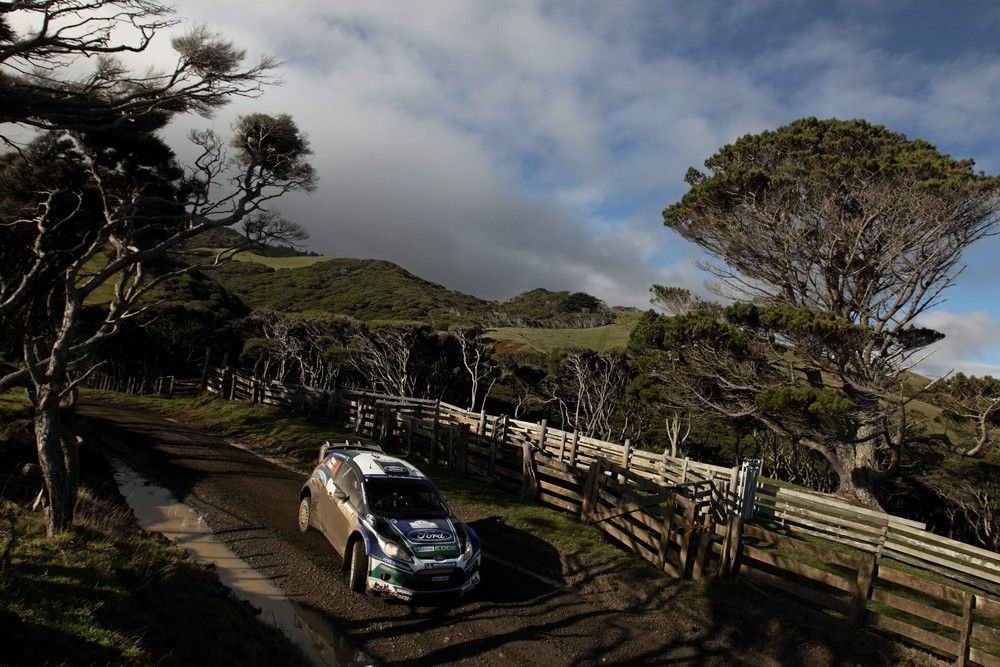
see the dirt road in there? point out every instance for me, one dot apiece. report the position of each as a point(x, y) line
point(555, 618)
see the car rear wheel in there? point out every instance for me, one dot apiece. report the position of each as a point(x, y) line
point(357, 575)
point(305, 511)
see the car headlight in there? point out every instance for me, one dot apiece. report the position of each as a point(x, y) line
point(393, 550)
point(468, 549)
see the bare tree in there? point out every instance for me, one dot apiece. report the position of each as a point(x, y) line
point(972, 509)
point(386, 357)
point(971, 407)
point(589, 390)
point(475, 359)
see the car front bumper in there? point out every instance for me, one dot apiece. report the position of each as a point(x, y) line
point(387, 579)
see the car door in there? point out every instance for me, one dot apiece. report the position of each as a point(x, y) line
point(321, 487)
point(342, 517)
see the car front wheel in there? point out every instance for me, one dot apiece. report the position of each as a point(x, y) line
point(358, 573)
point(305, 511)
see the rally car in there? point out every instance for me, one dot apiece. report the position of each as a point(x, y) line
point(388, 521)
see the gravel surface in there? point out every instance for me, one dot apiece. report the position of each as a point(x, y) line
point(536, 605)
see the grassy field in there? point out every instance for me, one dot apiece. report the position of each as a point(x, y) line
point(612, 336)
point(279, 262)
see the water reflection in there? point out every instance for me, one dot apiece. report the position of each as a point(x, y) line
point(158, 511)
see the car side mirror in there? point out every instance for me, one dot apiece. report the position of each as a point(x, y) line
point(339, 495)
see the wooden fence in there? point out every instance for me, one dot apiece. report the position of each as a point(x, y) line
point(873, 569)
point(165, 385)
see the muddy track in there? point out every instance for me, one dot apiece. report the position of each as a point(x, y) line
point(532, 608)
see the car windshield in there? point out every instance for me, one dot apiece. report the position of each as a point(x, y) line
point(404, 498)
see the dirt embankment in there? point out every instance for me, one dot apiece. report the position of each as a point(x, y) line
point(536, 605)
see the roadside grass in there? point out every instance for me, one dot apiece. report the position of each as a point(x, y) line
point(296, 436)
point(608, 337)
point(13, 407)
point(104, 593)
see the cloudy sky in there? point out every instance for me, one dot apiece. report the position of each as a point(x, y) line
point(499, 146)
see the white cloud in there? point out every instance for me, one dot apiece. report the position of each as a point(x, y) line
point(970, 341)
point(498, 147)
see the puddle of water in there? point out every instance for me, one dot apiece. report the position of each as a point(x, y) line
point(158, 511)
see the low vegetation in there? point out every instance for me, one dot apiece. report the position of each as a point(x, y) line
point(613, 336)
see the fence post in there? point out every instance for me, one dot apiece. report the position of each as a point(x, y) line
point(359, 414)
point(170, 391)
point(529, 475)
point(434, 430)
point(667, 527)
point(204, 368)
point(867, 566)
point(701, 556)
point(562, 446)
point(968, 605)
point(409, 434)
point(684, 470)
point(544, 427)
point(689, 548)
point(572, 448)
point(730, 499)
point(626, 454)
point(732, 547)
point(451, 447)
point(592, 489)
point(482, 422)
point(499, 427)
point(462, 460)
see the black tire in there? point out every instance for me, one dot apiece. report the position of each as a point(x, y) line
point(357, 573)
point(305, 513)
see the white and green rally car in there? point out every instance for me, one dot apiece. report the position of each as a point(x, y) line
point(388, 521)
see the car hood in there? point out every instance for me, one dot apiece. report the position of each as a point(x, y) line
point(428, 538)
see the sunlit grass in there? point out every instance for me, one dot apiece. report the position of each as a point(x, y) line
point(608, 337)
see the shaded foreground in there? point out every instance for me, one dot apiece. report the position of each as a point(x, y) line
point(538, 604)
point(104, 593)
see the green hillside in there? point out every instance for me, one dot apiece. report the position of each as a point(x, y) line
point(543, 304)
point(366, 289)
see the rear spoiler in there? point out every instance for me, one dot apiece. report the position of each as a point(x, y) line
point(325, 448)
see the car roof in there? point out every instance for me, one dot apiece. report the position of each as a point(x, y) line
point(377, 464)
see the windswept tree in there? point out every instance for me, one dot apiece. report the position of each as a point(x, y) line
point(589, 389)
point(93, 203)
point(39, 90)
point(475, 360)
point(971, 407)
point(836, 236)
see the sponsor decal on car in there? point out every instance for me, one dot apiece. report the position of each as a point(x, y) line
point(420, 523)
point(437, 564)
point(443, 548)
point(429, 536)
